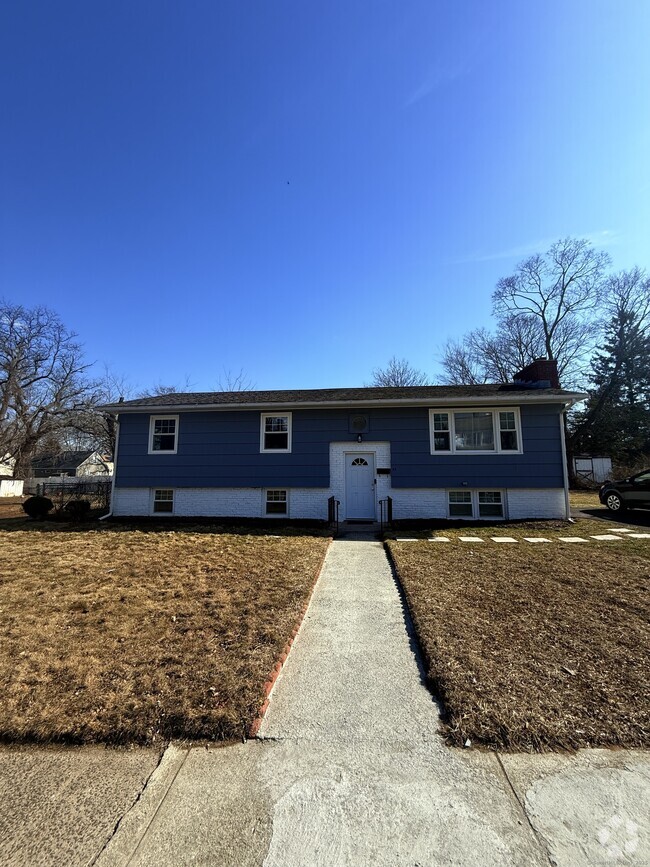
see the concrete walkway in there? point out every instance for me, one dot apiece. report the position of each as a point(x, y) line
point(349, 768)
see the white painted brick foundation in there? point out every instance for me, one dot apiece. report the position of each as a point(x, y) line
point(535, 503)
point(415, 503)
point(311, 503)
point(221, 502)
point(131, 502)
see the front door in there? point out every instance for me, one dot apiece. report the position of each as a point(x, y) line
point(360, 486)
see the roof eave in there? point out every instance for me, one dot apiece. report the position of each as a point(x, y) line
point(568, 399)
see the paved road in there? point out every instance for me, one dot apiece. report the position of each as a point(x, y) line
point(349, 768)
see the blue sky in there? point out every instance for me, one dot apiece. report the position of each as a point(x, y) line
point(304, 189)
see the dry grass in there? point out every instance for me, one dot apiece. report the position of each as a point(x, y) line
point(128, 635)
point(534, 647)
point(585, 500)
point(11, 509)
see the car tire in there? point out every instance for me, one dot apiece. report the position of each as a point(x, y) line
point(614, 502)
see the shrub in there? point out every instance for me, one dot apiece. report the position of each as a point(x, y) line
point(38, 507)
point(77, 510)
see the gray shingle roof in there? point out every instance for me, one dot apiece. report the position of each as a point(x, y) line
point(340, 395)
point(52, 465)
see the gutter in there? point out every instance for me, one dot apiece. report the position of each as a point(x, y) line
point(109, 514)
point(506, 399)
point(565, 468)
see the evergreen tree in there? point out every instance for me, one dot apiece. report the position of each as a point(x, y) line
point(616, 419)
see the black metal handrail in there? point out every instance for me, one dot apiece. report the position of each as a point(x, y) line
point(385, 513)
point(333, 513)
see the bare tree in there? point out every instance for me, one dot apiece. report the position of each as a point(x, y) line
point(42, 379)
point(481, 356)
point(398, 372)
point(89, 426)
point(562, 291)
point(461, 364)
point(230, 381)
point(547, 308)
point(161, 388)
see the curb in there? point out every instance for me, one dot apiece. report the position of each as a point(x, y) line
point(254, 727)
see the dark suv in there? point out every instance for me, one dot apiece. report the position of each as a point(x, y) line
point(628, 493)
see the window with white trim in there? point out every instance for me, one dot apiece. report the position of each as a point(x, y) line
point(163, 501)
point(490, 504)
point(475, 431)
point(475, 504)
point(277, 502)
point(460, 504)
point(163, 434)
point(441, 432)
point(275, 434)
point(508, 437)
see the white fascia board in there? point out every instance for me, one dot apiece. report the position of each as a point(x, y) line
point(506, 399)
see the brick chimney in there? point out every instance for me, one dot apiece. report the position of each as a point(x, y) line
point(541, 373)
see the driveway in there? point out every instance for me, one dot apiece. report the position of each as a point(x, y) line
point(633, 518)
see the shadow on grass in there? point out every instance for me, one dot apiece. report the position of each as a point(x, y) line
point(209, 526)
point(442, 524)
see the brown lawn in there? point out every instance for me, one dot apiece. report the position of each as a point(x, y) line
point(122, 635)
point(534, 647)
point(585, 500)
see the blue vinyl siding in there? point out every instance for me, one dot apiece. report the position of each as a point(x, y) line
point(222, 449)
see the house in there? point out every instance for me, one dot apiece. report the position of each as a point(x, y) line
point(7, 464)
point(79, 463)
point(485, 451)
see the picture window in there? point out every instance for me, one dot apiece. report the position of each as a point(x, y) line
point(482, 431)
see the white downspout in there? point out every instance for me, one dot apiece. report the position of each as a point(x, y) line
point(109, 514)
point(565, 469)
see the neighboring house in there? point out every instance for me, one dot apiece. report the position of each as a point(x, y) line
point(7, 467)
point(83, 463)
point(486, 451)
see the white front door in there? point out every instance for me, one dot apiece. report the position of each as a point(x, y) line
point(360, 486)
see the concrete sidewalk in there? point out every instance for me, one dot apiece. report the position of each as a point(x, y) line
point(349, 768)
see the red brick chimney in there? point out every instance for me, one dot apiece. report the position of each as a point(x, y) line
point(542, 370)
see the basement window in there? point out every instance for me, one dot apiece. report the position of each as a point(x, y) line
point(276, 502)
point(476, 504)
point(163, 501)
point(460, 504)
point(490, 504)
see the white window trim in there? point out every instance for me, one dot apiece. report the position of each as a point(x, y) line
point(152, 500)
point(495, 410)
point(152, 420)
point(475, 504)
point(266, 514)
point(263, 417)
